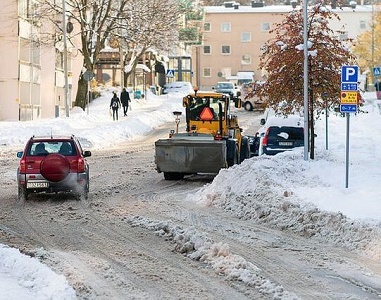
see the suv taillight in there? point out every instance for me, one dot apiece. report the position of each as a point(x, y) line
point(81, 164)
point(266, 137)
point(22, 166)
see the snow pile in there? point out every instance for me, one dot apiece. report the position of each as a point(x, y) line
point(35, 279)
point(274, 194)
point(197, 246)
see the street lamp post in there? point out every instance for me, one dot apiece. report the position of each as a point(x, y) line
point(305, 77)
point(65, 57)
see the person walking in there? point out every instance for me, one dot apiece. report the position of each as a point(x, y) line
point(125, 99)
point(115, 105)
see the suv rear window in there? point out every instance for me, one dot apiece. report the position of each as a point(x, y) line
point(286, 133)
point(66, 148)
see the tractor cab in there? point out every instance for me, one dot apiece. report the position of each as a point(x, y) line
point(206, 112)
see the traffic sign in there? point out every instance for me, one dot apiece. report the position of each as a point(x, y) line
point(349, 86)
point(348, 97)
point(348, 108)
point(377, 71)
point(349, 74)
point(170, 73)
point(88, 75)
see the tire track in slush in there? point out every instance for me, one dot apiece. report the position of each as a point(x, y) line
point(84, 244)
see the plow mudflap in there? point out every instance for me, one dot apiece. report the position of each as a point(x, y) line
point(190, 156)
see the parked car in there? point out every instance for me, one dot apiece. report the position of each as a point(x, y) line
point(52, 165)
point(278, 134)
point(250, 99)
point(183, 87)
point(227, 87)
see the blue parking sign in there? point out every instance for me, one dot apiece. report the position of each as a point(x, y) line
point(349, 74)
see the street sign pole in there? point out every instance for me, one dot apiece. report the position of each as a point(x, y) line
point(348, 104)
point(347, 153)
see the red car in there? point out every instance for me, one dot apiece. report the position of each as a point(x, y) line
point(52, 165)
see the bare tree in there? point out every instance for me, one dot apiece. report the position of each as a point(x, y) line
point(148, 25)
point(283, 62)
point(141, 24)
point(93, 21)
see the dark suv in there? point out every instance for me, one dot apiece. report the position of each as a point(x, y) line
point(52, 165)
point(282, 138)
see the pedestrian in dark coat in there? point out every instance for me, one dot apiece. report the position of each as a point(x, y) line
point(125, 99)
point(115, 105)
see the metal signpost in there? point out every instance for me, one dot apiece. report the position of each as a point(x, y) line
point(88, 76)
point(348, 103)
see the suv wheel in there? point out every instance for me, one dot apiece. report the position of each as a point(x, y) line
point(22, 194)
point(248, 106)
point(82, 192)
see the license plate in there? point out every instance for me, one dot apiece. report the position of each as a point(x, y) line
point(32, 185)
point(285, 143)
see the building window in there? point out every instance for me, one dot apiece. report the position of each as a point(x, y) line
point(207, 27)
point(225, 50)
point(265, 26)
point(245, 37)
point(362, 25)
point(207, 72)
point(24, 50)
point(28, 9)
point(207, 49)
point(246, 59)
point(225, 27)
point(59, 60)
point(23, 8)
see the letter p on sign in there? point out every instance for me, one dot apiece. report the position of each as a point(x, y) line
point(349, 74)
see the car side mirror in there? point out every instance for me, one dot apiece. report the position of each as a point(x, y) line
point(238, 93)
point(19, 154)
point(262, 122)
point(86, 153)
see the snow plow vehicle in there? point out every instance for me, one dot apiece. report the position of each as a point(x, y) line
point(213, 139)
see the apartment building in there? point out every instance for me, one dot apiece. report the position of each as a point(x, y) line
point(32, 81)
point(234, 36)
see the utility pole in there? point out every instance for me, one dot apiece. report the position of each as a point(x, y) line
point(65, 57)
point(373, 79)
point(305, 76)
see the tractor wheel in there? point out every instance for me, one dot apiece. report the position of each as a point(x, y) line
point(173, 176)
point(236, 156)
point(245, 148)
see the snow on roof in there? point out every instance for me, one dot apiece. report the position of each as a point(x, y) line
point(279, 9)
point(291, 120)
